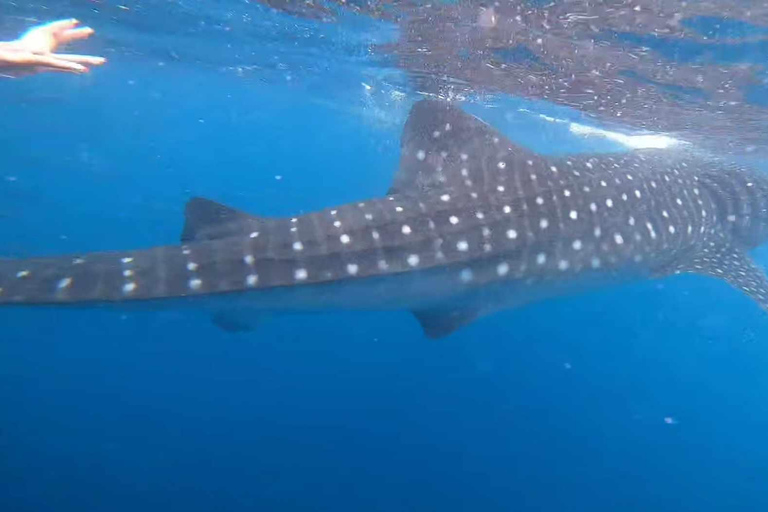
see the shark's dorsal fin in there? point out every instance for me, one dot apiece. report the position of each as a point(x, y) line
point(444, 147)
point(440, 322)
point(209, 220)
point(734, 266)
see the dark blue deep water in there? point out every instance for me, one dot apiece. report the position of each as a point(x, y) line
point(646, 397)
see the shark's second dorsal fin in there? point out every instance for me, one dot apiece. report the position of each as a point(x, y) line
point(444, 147)
point(734, 266)
point(209, 220)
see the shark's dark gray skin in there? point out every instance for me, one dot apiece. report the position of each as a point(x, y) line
point(472, 224)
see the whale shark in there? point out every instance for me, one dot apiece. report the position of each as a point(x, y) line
point(472, 224)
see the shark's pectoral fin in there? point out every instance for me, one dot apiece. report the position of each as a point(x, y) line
point(734, 266)
point(209, 220)
point(438, 323)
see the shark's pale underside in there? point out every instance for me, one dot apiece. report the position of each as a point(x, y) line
point(472, 224)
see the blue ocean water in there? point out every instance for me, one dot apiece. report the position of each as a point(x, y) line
point(650, 396)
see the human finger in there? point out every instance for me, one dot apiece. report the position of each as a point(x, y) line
point(89, 60)
point(45, 38)
point(50, 61)
point(57, 26)
point(75, 34)
point(48, 30)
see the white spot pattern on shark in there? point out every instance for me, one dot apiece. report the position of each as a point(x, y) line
point(468, 212)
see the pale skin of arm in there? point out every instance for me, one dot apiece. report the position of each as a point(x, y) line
point(34, 52)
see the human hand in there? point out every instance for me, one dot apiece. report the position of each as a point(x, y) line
point(34, 51)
